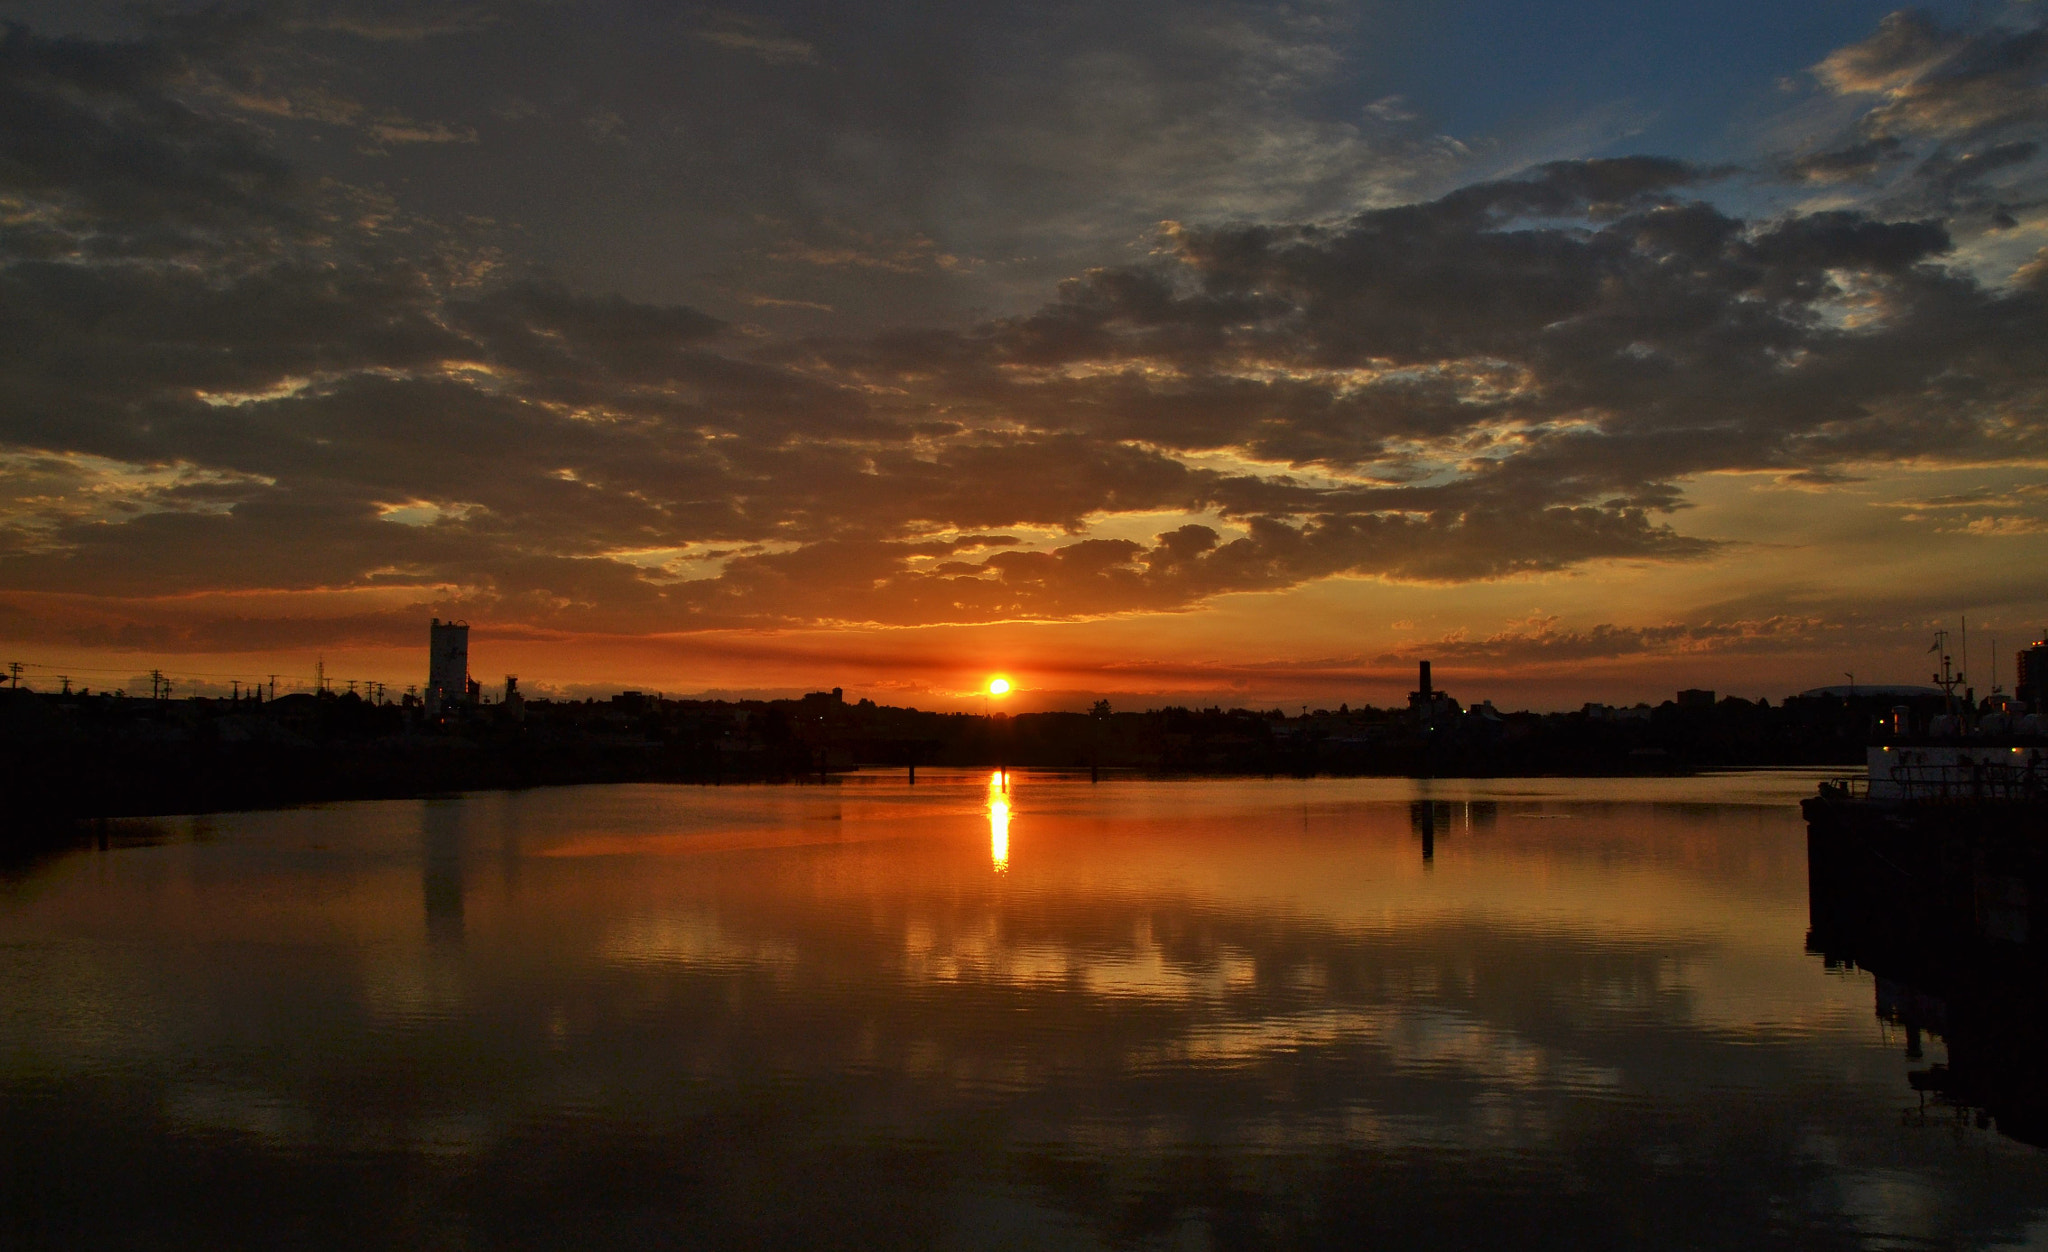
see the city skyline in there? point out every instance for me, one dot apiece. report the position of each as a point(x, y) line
point(1232, 354)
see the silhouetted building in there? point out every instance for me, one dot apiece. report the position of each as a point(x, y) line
point(448, 665)
point(822, 703)
point(1430, 706)
point(1695, 698)
point(2030, 674)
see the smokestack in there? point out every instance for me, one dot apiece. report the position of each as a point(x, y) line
point(1424, 688)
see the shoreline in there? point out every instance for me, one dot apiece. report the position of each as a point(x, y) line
point(29, 834)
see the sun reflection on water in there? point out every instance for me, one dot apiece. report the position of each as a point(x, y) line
point(999, 820)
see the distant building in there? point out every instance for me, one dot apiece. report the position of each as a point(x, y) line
point(448, 666)
point(821, 705)
point(1430, 706)
point(2030, 674)
point(1695, 698)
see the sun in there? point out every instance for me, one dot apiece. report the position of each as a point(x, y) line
point(999, 686)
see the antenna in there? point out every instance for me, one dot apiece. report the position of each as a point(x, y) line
point(1948, 678)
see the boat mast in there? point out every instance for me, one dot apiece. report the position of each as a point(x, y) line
point(1949, 678)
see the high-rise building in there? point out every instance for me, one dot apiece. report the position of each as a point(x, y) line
point(447, 665)
point(2030, 674)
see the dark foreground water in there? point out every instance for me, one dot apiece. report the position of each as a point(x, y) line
point(1185, 1015)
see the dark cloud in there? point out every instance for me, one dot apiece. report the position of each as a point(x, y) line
point(217, 373)
point(1951, 118)
point(1858, 160)
point(1933, 80)
point(1546, 641)
point(95, 136)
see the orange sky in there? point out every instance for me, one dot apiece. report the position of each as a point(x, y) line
point(1288, 371)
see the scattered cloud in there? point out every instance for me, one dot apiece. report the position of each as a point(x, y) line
point(1545, 641)
point(1947, 119)
point(220, 373)
point(751, 40)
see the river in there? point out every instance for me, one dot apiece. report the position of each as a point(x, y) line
point(979, 1011)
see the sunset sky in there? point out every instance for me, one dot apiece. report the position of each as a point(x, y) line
point(1231, 353)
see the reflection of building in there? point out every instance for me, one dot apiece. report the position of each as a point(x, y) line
point(1427, 817)
point(447, 665)
point(1946, 927)
point(441, 871)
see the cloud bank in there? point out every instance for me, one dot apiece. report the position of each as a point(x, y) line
point(223, 373)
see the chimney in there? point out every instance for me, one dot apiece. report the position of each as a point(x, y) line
point(1424, 688)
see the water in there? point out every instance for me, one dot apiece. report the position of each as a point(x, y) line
point(1175, 1015)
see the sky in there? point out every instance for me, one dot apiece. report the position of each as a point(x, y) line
point(1208, 353)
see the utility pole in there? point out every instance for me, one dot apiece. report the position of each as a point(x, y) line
point(273, 686)
point(156, 684)
point(14, 674)
point(237, 691)
point(320, 676)
point(66, 680)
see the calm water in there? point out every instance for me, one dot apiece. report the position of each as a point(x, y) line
point(1186, 1015)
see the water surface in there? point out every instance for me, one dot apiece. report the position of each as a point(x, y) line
point(963, 1014)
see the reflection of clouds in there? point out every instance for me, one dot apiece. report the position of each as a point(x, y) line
point(279, 1121)
point(1149, 974)
point(1145, 971)
point(979, 957)
point(216, 1108)
point(1434, 1043)
point(694, 939)
point(1131, 996)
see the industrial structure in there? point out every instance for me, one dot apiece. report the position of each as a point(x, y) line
point(1430, 707)
point(448, 683)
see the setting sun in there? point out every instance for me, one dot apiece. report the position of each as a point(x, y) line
point(999, 686)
